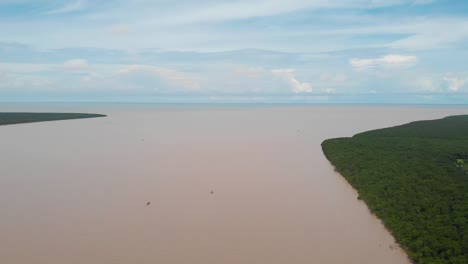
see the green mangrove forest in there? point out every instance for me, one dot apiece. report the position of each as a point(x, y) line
point(414, 177)
point(10, 118)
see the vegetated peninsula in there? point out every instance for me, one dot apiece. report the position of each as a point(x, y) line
point(9, 118)
point(414, 178)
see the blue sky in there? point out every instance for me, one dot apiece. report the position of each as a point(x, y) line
point(295, 51)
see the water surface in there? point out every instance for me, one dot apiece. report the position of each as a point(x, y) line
point(76, 191)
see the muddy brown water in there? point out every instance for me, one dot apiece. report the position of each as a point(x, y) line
point(189, 184)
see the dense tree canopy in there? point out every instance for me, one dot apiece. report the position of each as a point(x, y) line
point(8, 118)
point(414, 177)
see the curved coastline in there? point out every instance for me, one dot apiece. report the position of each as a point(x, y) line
point(14, 118)
point(412, 177)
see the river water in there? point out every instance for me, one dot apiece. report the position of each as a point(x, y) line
point(225, 184)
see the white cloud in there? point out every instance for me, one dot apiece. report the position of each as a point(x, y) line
point(161, 23)
point(422, 2)
point(213, 11)
point(329, 90)
point(426, 84)
point(75, 65)
point(333, 78)
point(289, 76)
point(70, 7)
point(119, 30)
point(454, 82)
point(91, 78)
point(25, 67)
point(172, 77)
point(445, 83)
point(21, 82)
point(233, 10)
point(250, 71)
point(431, 33)
point(387, 61)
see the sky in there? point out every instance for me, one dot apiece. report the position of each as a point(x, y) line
point(234, 51)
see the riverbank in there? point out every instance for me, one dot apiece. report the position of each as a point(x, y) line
point(413, 177)
point(11, 118)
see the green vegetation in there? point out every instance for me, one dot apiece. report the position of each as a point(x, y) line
point(414, 178)
point(19, 118)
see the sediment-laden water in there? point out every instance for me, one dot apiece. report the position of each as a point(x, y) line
point(226, 184)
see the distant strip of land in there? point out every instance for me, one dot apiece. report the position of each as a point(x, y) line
point(413, 177)
point(10, 118)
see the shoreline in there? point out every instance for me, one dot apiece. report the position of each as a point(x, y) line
point(16, 118)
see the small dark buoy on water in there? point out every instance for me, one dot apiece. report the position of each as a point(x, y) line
point(211, 192)
point(148, 203)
